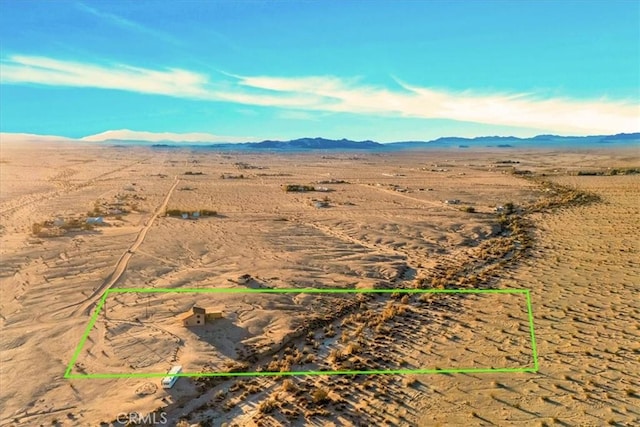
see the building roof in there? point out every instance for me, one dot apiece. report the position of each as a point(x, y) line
point(185, 316)
point(198, 310)
point(194, 310)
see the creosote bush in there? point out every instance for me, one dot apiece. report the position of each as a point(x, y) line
point(268, 406)
point(289, 386)
point(320, 395)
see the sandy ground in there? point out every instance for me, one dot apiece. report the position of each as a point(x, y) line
point(584, 277)
point(384, 227)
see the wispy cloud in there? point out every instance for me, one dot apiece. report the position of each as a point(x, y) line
point(125, 23)
point(53, 72)
point(504, 109)
point(338, 95)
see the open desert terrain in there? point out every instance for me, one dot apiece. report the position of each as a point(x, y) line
point(80, 220)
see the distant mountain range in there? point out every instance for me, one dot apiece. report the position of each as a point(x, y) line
point(548, 141)
point(305, 144)
point(318, 144)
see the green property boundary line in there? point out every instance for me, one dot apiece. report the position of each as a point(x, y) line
point(101, 302)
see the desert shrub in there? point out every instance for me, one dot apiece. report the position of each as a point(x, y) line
point(352, 348)
point(237, 386)
point(289, 386)
point(273, 366)
point(319, 395)
point(268, 406)
point(285, 366)
point(253, 389)
point(36, 228)
point(409, 380)
point(509, 208)
point(359, 330)
point(346, 337)
point(425, 297)
point(391, 310)
point(335, 355)
point(329, 331)
point(469, 209)
point(294, 358)
point(388, 312)
point(296, 187)
point(382, 329)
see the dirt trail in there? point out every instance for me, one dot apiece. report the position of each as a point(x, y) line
point(121, 266)
point(86, 305)
point(423, 202)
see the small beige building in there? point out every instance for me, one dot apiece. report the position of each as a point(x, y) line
point(199, 316)
point(211, 315)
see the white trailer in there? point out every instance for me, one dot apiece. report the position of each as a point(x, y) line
point(171, 378)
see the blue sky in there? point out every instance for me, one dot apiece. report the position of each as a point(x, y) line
point(382, 70)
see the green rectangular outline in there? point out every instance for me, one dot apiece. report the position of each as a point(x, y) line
point(101, 302)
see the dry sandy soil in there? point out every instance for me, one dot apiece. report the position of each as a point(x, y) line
point(386, 226)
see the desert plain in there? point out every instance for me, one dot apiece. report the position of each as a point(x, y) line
point(560, 224)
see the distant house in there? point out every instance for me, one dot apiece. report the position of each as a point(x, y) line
point(95, 220)
point(199, 316)
point(244, 279)
point(195, 215)
point(185, 216)
point(452, 202)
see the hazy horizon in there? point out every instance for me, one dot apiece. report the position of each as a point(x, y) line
point(192, 139)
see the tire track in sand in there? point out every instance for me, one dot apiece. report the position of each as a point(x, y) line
point(30, 199)
point(88, 303)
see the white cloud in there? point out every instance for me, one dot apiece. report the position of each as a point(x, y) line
point(518, 110)
point(333, 94)
point(132, 135)
point(52, 72)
